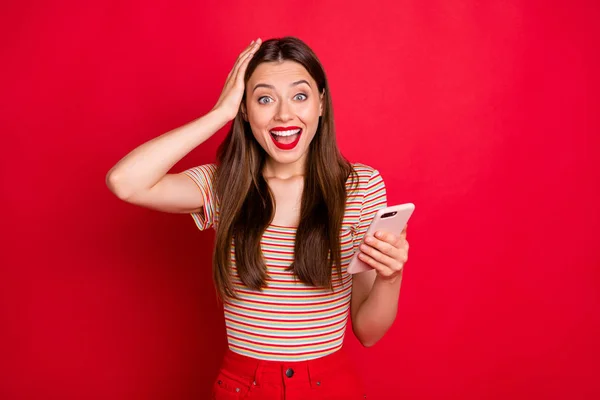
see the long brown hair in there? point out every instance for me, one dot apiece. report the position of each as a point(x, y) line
point(246, 204)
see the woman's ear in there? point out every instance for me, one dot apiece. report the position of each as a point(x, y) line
point(321, 102)
point(244, 114)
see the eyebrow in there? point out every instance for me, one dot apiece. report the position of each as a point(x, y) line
point(273, 87)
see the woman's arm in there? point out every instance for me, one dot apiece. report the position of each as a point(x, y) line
point(142, 177)
point(375, 293)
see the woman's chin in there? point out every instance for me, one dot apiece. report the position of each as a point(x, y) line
point(286, 156)
point(282, 155)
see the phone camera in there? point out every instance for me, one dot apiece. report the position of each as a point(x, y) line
point(389, 215)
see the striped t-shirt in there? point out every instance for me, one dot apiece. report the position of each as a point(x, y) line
point(289, 320)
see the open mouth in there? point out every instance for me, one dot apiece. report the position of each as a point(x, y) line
point(286, 139)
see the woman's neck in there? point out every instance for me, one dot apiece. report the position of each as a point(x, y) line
point(273, 169)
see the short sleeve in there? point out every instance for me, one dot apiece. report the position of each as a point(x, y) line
point(204, 177)
point(374, 198)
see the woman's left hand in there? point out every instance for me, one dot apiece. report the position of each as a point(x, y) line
point(386, 253)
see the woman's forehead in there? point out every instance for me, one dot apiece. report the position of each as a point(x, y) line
point(282, 73)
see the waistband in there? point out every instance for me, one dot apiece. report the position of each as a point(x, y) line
point(257, 370)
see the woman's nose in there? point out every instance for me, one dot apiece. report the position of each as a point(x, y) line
point(283, 111)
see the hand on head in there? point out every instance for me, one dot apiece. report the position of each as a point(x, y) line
point(233, 92)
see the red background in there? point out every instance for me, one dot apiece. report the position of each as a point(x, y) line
point(484, 114)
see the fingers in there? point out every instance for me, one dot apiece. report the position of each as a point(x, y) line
point(381, 268)
point(386, 253)
point(377, 255)
point(248, 49)
point(384, 242)
point(239, 59)
point(243, 58)
point(386, 249)
point(233, 71)
point(386, 268)
point(396, 241)
point(246, 59)
point(403, 233)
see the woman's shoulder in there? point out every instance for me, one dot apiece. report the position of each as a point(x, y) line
point(363, 169)
point(207, 171)
point(203, 175)
point(212, 167)
point(363, 178)
point(365, 172)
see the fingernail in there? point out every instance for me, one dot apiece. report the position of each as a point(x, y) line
point(368, 239)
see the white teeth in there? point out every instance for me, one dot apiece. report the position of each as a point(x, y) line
point(286, 133)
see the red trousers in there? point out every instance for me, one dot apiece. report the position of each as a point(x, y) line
point(330, 377)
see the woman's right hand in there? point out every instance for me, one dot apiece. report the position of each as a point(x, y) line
point(233, 92)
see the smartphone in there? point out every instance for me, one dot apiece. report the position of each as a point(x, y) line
point(391, 219)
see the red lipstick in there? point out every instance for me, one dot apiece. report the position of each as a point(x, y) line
point(286, 141)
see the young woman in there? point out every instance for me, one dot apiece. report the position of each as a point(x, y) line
point(289, 213)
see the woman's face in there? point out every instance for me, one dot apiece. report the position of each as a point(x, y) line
point(283, 105)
